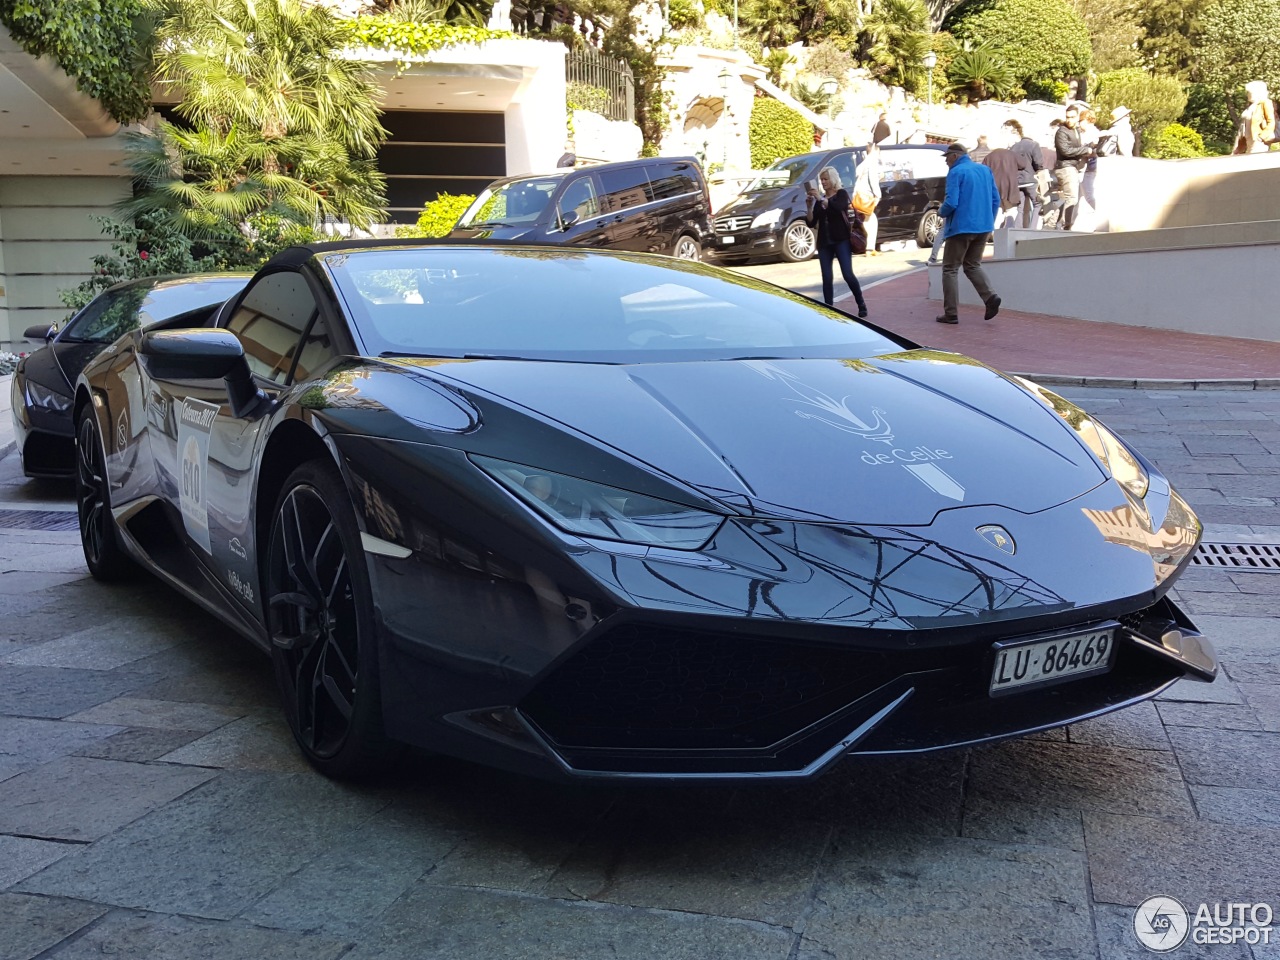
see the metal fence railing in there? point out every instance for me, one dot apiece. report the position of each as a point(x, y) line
point(612, 79)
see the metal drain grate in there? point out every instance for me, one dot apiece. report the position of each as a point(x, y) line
point(39, 520)
point(1262, 557)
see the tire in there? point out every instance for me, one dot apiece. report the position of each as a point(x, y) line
point(927, 229)
point(320, 621)
point(798, 242)
point(99, 538)
point(687, 248)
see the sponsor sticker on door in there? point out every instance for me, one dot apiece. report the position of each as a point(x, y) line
point(194, 425)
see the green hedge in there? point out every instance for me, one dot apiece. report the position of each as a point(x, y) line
point(1174, 142)
point(1041, 41)
point(438, 216)
point(96, 42)
point(777, 131)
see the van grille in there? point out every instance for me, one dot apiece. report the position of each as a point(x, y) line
point(732, 224)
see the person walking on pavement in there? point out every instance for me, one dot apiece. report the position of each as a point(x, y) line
point(1006, 167)
point(881, 131)
point(1030, 165)
point(866, 195)
point(1072, 156)
point(970, 207)
point(829, 215)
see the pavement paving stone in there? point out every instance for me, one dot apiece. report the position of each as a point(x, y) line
point(1138, 726)
point(105, 646)
point(1201, 604)
point(1132, 858)
point(1259, 583)
point(1213, 716)
point(442, 923)
point(1117, 941)
point(1081, 776)
point(1258, 465)
point(920, 794)
point(84, 798)
point(45, 740)
point(159, 714)
point(59, 692)
point(11, 765)
point(346, 887)
point(137, 744)
point(21, 582)
point(31, 925)
point(188, 676)
point(1252, 671)
point(214, 851)
point(703, 863)
point(900, 895)
point(1243, 638)
point(1007, 821)
point(1243, 759)
point(1264, 698)
point(158, 937)
point(1243, 805)
point(22, 856)
point(260, 741)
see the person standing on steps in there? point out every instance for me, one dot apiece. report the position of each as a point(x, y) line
point(828, 214)
point(970, 208)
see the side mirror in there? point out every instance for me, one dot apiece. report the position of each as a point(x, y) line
point(202, 354)
point(568, 219)
point(40, 333)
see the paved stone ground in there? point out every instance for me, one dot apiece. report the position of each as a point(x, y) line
point(152, 805)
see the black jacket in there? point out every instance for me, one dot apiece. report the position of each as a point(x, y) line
point(1071, 152)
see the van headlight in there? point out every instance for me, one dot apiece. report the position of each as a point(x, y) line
point(606, 513)
point(768, 218)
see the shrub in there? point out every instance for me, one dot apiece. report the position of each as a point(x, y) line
point(684, 13)
point(1206, 113)
point(584, 96)
point(1154, 100)
point(825, 59)
point(1040, 41)
point(1173, 142)
point(438, 216)
point(978, 73)
point(777, 131)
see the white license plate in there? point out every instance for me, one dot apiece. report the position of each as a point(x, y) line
point(727, 240)
point(1041, 662)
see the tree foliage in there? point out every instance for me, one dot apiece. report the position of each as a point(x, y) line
point(104, 45)
point(777, 131)
point(1115, 31)
point(896, 38)
point(1168, 29)
point(1173, 142)
point(773, 22)
point(438, 216)
point(1238, 42)
point(977, 73)
point(1206, 113)
point(1041, 41)
point(1154, 100)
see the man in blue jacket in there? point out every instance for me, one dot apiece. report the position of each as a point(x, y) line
point(970, 209)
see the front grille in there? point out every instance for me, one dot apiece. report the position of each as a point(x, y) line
point(732, 224)
point(641, 687)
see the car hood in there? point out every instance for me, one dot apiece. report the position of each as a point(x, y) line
point(492, 233)
point(762, 200)
point(74, 355)
point(893, 440)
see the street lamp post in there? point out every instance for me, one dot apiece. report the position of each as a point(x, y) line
point(827, 88)
point(726, 78)
point(930, 60)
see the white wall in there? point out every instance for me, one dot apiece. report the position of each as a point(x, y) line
point(47, 240)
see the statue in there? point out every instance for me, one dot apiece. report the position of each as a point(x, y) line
point(500, 15)
point(1258, 122)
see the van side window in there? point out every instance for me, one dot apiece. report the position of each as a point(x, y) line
point(622, 188)
point(667, 180)
point(579, 198)
point(843, 162)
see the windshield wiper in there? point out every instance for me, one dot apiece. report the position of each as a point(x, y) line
point(487, 223)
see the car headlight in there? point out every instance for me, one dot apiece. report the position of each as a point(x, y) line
point(1106, 446)
point(595, 510)
point(42, 398)
point(768, 218)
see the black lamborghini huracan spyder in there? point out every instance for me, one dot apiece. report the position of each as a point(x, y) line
point(614, 515)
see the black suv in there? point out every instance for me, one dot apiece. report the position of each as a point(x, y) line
point(656, 205)
point(767, 220)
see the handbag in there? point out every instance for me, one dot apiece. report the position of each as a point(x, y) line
point(857, 234)
point(864, 203)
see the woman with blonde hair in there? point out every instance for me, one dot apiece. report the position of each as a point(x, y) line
point(1258, 122)
point(829, 216)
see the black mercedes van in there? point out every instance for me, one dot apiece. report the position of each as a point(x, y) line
point(767, 219)
point(653, 205)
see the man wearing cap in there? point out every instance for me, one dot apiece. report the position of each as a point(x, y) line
point(970, 209)
point(1122, 130)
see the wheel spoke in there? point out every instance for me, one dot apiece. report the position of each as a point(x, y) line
point(295, 549)
point(337, 698)
point(339, 579)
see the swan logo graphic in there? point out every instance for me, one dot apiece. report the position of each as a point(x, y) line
point(814, 404)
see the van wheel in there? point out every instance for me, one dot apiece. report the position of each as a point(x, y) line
point(928, 229)
point(687, 248)
point(798, 242)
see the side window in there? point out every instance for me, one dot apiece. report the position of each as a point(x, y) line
point(668, 180)
point(623, 188)
point(270, 321)
point(317, 349)
point(579, 198)
point(843, 162)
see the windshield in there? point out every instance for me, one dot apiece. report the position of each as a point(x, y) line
point(116, 312)
point(783, 173)
point(558, 304)
point(510, 204)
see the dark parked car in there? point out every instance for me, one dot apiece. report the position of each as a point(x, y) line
point(656, 205)
point(597, 514)
point(767, 220)
point(44, 382)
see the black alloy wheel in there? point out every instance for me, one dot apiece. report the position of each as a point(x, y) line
point(927, 231)
point(687, 248)
point(103, 554)
point(320, 618)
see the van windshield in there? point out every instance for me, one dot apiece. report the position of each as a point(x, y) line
point(510, 204)
point(784, 173)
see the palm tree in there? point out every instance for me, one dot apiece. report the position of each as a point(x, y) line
point(896, 35)
point(279, 121)
point(978, 73)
